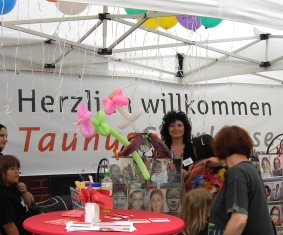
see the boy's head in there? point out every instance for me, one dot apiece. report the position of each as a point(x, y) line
point(119, 199)
point(157, 166)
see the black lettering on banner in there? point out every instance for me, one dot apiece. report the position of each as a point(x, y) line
point(79, 99)
point(31, 99)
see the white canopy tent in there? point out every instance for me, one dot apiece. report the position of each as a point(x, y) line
point(51, 61)
point(264, 13)
point(37, 36)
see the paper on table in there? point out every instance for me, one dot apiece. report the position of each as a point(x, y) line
point(122, 226)
point(139, 221)
point(159, 219)
point(73, 213)
point(60, 221)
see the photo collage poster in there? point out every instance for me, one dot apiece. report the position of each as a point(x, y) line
point(271, 165)
point(162, 193)
point(272, 175)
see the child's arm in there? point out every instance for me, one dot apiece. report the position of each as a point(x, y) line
point(27, 196)
point(11, 229)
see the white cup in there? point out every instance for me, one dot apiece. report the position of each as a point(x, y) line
point(92, 212)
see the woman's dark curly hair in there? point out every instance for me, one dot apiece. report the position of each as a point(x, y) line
point(171, 117)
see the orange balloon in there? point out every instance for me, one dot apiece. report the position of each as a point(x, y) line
point(167, 22)
point(51, 0)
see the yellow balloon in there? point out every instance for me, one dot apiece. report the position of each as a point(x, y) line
point(150, 23)
point(167, 22)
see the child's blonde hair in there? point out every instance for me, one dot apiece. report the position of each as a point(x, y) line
point(195, 210)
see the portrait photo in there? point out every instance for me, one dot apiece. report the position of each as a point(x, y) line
point(136, 199)
point(276, 193)
point(173, 199)
point(265, 166)
point(275, 211)
point(122, 171)
point(277, 164)
point(159, 170)
point(155, 200)
point(268, 186)
point(174, 171)
point(120, 196)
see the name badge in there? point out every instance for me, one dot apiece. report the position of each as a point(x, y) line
point(188, 161)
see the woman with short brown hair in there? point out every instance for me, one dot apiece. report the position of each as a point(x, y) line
point(240, 206)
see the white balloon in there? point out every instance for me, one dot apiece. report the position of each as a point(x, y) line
point(71, 8)
point(129, 119)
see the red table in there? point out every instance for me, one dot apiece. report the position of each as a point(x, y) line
point(36, 224)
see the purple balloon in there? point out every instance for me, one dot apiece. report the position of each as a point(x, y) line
point(189, 22)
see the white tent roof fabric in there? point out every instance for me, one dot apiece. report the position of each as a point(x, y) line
point(257, 12)
point(37, 36)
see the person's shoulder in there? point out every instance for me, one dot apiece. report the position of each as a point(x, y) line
point(5, 194)
point(245, 166)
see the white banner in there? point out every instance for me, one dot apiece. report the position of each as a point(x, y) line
point(39, 111)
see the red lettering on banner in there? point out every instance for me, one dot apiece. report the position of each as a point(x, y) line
point(114, 145)
point(72, 145)
point(49, 145)
point(28, 130)
point(87, 141)
point(47, 141)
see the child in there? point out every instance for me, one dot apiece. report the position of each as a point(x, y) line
point(195, 211)
point(266, 168)
point(136, 200)
point(120, 198)
point(156, 200)
point(160, 173)
point(14, 198)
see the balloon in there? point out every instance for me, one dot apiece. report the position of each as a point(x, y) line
point(167, 22)
point(135, 11)
point(83, 121)
point(99, 124)
point(71, 8)
point(189, 22)
point(150, 23)
point(130, 118)
point(209, 22)
point(116, 98)
point(104, 129)
point(6, 6)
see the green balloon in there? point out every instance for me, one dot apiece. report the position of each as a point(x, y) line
point(135, 11)
point(208, 22)
point(104, 129)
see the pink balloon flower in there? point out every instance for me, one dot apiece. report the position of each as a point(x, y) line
point(115, 99)
point(83, 121)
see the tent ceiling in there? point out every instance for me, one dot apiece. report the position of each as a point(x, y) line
point(37, 36)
